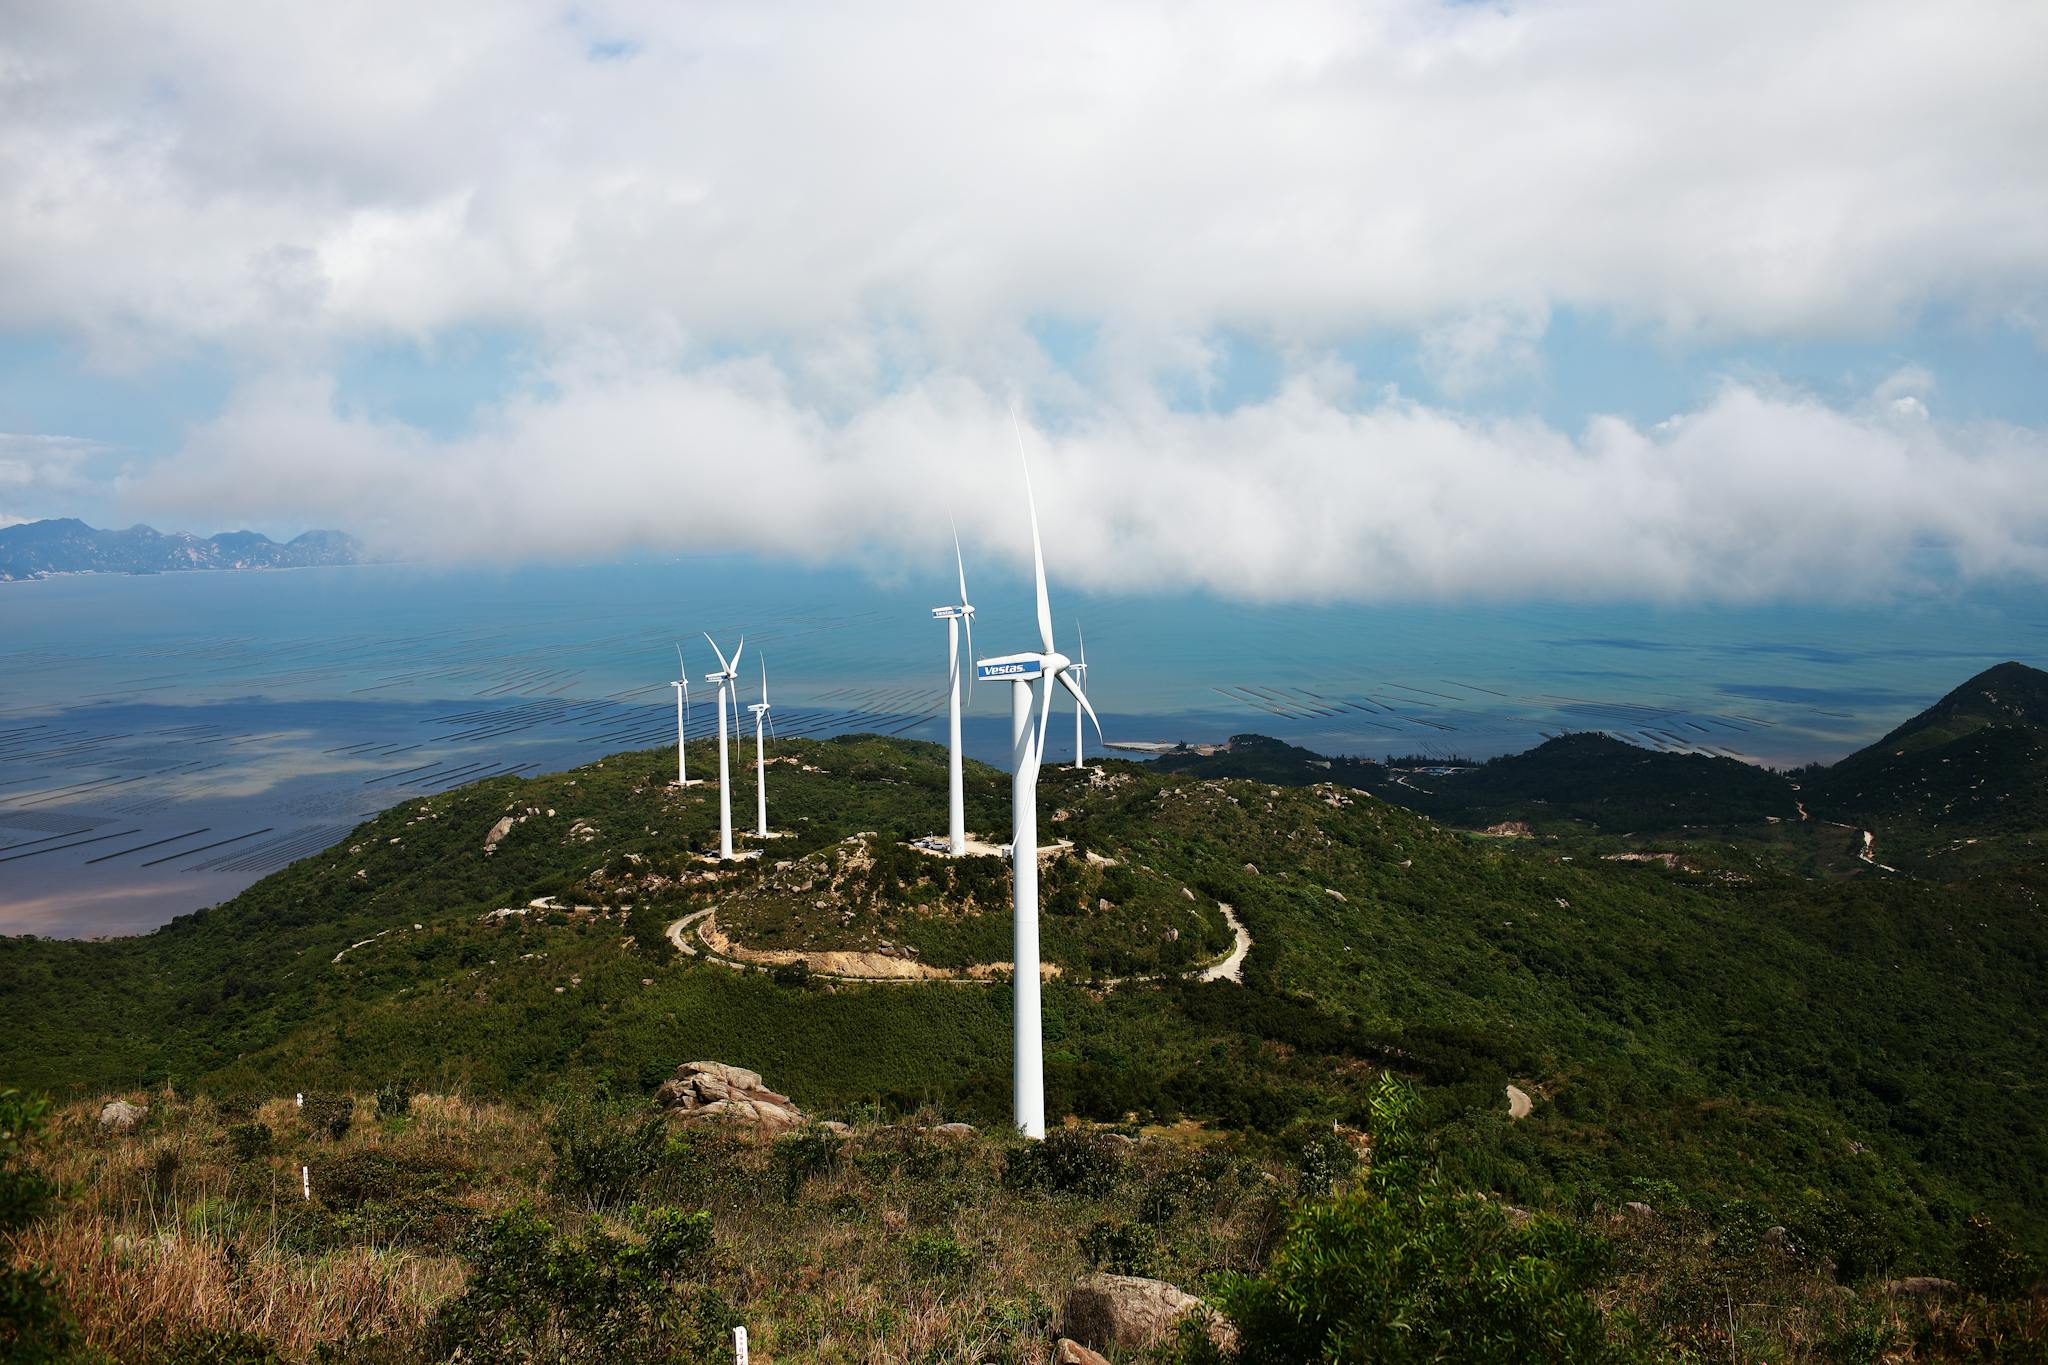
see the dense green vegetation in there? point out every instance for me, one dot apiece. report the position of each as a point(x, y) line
point(1753, 1030)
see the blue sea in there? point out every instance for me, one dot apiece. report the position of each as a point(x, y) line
point(166, 740)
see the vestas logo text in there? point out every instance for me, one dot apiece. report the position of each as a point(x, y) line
point(1007, 670)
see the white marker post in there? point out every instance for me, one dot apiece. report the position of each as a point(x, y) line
point(739, 1345)
point(299, 1101)
point(305, 1184)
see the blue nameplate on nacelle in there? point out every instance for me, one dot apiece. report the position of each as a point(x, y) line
point(997, 670)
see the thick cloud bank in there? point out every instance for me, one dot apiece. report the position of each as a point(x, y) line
point(777, 271)
point(1318, 493)
point(226, 169)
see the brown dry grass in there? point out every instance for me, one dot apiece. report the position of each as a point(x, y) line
point(164, 1232)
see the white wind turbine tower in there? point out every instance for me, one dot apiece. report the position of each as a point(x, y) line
point(760, 710)
point(1080, 672)
point(725, 678)
point(1027, 748)
point(682, 687)
point(956, 819)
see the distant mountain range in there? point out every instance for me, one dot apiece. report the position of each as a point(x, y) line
point(1962, 784)
point(67, 545)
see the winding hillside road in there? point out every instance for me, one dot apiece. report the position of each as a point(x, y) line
point(1230, 968)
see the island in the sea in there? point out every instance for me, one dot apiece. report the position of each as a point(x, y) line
point(36, 549)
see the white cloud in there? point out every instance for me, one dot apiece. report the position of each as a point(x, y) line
point(259, 173)
point(1320, 492)
point(39, 472)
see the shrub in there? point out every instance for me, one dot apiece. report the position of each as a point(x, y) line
point(603, 1158)
point(33, 1324)
point(248, 1141)
point(220, 1346)
point(394, 1099)
point(329, 1114)
point(935, 1255)
point(535, 1295)
point(799, 1156)
point(1068, 1161)
point(1401, 1267)
point(1119, 1248)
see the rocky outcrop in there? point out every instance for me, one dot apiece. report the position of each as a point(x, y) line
point(1072, 1352)
point(1920, 1286)
point(1123, 1311)
point(1511, 829)
point(498, 831)
point(119, 1116)
point(712, 1092)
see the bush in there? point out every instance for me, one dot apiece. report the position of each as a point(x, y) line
point(799, 1156)
point(1400, 1267)
point(602, 1157)
point(249, 1141)
point(394, 1099)
point(33, 1324)
point(1068, 1161)
point(935, 1255)
point(1119, 1248)
point(535, 1295)
point(220, 1346)
point(329, 1114)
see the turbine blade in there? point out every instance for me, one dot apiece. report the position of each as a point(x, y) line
point(958, 562)
point(736, 657)
point(970, 658)
point(720, 653)
point(1067, 681)
point(681, 672)
point(764, 680)
point(1082, 635)
point(1044, 714)
point(1037, 549)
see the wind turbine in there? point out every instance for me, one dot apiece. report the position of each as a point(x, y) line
point(725, 678)
point(1027, 748)
point(1080, 672)
point(956, 819)
point(682, 687)
point(760, 710)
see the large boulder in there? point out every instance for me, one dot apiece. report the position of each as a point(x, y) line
point(119, 1116)
point(712, 1091)
point(1071, 1352)
point(1111, 1311)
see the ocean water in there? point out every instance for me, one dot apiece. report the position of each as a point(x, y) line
point(166, 740)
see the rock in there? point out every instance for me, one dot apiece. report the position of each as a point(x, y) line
point(498, 831)
point(955, 1129)
point(1511, 829)
point(708, 1091)
point(1108, 1311)
point(1919, 1286)
point(1252, 868)
point(119, 1116)
point(1637, 1208)
point(836, 1128)
point(1776, 1237)
point(1072, 1352)
point(1119, 1139)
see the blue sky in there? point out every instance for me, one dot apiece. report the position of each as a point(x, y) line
point(1396, 299)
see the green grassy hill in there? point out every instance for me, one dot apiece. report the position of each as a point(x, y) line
point(1972, 769)
point(1755, 1041)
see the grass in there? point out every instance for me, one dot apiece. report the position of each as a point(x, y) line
point(895, 1243)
